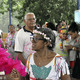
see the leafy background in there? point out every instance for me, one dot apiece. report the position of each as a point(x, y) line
point(45, 11)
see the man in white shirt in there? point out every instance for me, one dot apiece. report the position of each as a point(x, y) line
point(23, 44)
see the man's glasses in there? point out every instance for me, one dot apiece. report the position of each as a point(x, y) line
point(35, 39)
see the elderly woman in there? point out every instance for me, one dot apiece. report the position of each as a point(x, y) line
point(45, 64)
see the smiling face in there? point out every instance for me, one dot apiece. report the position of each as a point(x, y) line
point(37, 42)
point(63, 36)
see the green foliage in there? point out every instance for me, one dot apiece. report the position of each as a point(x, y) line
point(45, 10)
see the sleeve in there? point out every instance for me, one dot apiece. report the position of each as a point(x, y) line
point(19, 43)
point(64, 68)
point(28, 63)
point(27, 69)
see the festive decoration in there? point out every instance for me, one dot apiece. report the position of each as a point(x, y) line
point(63, 30)
point(61, 44)
point(44, 35)
point(7, 64)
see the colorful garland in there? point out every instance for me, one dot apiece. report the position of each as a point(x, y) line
point(63, 30)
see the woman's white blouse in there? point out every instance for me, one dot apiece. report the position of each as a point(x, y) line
point(50, 71)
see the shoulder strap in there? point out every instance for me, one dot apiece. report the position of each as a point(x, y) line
point(55, 60)
point(28, 60)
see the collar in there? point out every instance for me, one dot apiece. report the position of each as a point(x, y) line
point(27, 30)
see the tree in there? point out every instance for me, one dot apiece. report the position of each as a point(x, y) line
point(45, 10)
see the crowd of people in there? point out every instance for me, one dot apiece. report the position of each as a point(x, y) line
point(48, 52)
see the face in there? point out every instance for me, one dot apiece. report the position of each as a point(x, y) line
point(64, 23)
point(72, 34)
point(30, 20)
point(63, 36)
point(11, 28)
point(37, 42)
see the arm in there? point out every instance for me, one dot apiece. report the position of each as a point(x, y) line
point(20, 56)
point(65, 77)
point(70, 47)
point(65, 73)
point(19, 46)
point(14, 75)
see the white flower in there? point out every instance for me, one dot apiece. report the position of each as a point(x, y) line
point(45, 37)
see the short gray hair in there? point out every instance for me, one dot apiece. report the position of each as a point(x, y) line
point(28, 14)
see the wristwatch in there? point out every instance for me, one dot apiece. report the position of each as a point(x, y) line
point(73, 48)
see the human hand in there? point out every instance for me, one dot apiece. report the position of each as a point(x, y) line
point(68, 47)
point(14, 75)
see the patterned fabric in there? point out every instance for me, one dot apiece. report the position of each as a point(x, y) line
point(10, 40)
point(40, 72)
point(50, 71)
point(75, 43)
point(60, 47)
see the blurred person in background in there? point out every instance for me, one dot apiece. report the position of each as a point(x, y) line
point(18, 27)
point(74, 44)
point(64, 23)
point(61, 41)
point(10, 41)
point(51, 26)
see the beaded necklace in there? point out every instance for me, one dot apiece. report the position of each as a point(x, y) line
point(61, 43)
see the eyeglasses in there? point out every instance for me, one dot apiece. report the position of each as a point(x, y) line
point(30, 19)
point(35, 39)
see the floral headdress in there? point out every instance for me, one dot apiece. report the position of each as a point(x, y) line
point(44, 35)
